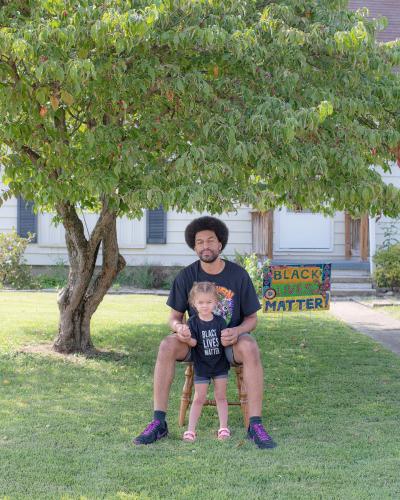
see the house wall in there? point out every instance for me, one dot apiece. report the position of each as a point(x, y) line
point(336, 252)
point(382, 8)
point(8, 212)
point(51, 249)
point(8, 216)
point(385, 223)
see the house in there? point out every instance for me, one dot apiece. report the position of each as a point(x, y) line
point(157, 238)
point(282, 235)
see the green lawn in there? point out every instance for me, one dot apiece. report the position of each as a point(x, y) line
point(332, 404)
point(393, 311)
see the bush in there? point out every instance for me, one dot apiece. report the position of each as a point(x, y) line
point(254, 266)
point(56, 277)
point(147, 277)
point(13, 271)
point(142, 277)
point(387, 273)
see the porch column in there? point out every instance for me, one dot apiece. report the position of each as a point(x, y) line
point(347, 235)
point(372, 243)
point(364, 252)
point(263, 233)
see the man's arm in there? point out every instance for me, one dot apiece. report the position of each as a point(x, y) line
point(229, 336)
point(175, 320)
point(179, 327)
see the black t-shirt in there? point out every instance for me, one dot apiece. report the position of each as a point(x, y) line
point(208, 355)
point(237, 297)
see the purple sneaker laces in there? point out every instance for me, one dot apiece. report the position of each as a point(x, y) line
point(150, 428)
point(262, 434)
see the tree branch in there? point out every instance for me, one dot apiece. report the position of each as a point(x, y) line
point(103, 224)
point(33, 156)
point(73, 225)
point(13, 66)
point(112, 264)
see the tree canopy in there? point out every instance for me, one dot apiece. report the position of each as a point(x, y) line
point(196, 104)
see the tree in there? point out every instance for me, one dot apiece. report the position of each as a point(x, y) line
point(115, 106)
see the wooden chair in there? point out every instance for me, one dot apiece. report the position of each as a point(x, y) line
point(187, 391)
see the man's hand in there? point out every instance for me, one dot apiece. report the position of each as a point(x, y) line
point(229, 336)
point(183, 333)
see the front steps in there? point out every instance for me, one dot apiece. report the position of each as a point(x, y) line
point(351, 283)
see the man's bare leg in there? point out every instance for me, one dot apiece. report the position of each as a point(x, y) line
point(246, 352)
point(170, 351)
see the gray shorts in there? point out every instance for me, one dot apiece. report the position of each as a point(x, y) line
point(207, 380)
point(228, 353)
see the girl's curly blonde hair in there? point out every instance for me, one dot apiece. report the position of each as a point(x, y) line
point(202, 287)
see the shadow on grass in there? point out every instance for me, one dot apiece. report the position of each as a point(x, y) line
point(332, 405)
point(123, 344)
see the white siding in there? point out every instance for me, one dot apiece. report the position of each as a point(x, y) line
point(50, 248)
point(336, 253)
point(130, 232)
point(8, 212)
point(176, 252)
point(383, 222)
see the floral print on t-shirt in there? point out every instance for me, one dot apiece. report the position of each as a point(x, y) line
point(225, 303)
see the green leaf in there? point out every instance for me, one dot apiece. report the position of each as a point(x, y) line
point(67, 97)
point(325, 109)
point(42, 95)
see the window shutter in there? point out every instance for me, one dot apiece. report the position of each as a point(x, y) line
point(26, 219)
point(157, 226)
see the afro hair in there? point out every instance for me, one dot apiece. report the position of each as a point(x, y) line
point(206, 223)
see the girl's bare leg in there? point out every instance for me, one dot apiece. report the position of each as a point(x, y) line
point(220, 385)
point(200, 394)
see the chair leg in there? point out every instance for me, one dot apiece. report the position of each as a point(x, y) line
point(242, 395)
point(186, 395)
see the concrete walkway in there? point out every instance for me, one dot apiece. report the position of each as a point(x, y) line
point(376, 324)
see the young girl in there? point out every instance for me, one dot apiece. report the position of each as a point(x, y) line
point(208, 357)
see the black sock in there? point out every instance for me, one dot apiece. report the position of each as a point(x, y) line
point(160, 415)
point(254, 420)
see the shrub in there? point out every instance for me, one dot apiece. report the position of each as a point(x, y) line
point(142, 277)
point(56, 277)
point(390, 233)
point(147, 276)
point(387, 273)
point(13, 271)
point(254, 266)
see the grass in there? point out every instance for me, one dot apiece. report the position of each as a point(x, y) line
point(393, 311)
point(331, 403)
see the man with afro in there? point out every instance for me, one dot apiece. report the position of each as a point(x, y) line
point(237, 303)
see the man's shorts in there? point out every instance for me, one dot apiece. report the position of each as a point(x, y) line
point(207, 380)
point(228, 353)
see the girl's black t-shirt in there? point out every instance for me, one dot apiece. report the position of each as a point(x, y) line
point(237, 297)
point(208, 355)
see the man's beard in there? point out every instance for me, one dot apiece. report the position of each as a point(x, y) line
point(210, 258)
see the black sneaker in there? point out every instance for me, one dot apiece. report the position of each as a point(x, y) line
point(153, 432)
point(260, 436)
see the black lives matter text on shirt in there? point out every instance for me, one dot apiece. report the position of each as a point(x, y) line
point(236, 293)
point(208, 355)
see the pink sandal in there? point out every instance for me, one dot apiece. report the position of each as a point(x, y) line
point(223, 434)
point(189, 436)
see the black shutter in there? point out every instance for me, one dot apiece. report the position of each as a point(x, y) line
point(26, 219)
point(157, 226)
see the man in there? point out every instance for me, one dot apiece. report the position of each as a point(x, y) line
point(238, 304)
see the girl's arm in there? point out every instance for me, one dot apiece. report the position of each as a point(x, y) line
point(190, 341)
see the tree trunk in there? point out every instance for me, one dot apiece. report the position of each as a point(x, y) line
point(79, 299)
